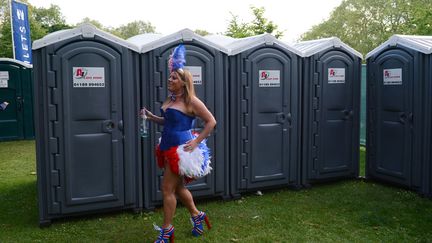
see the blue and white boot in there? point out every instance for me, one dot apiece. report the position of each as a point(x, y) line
point(197, 223)
point(166, 235)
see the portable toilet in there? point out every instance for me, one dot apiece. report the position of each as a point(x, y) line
point(331, 110)
point(264, 114)
point(399, 88)
point(16, 93)
point(86, 119)
point(207, 62)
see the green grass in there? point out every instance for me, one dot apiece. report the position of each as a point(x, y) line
point(349, 211)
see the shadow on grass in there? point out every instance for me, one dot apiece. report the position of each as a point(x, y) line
point(20, 209)
point(18, 204)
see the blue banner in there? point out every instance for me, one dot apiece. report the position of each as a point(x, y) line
point(21, 32)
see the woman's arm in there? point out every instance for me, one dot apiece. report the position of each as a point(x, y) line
point(151, 117)
point(201, 111)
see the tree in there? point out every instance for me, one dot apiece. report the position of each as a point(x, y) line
point(134, 28)
point(124, 31)
point(237, 29)
point(259, 25)
point(202, 32)
point(50, 18)
point(364, 24)
point(37, 30)
point(46, 20)
point(5, 31)
point(96, 23)
point(4, 6)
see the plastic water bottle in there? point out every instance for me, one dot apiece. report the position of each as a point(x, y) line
point(143, 125)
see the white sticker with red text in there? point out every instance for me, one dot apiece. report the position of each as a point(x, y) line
point(269, 78)
point(88, 77)
point(196, 72)
point(336, 75)
point(392, 76)
point(4, 79)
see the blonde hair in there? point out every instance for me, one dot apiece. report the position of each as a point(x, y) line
point(189, 90)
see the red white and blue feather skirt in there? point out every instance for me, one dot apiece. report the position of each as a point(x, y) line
point(190, 164)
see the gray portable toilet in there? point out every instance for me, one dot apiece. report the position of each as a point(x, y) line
point(16, 88)
point(399, 88)
point(264, 114)
point(207, 62)
point(331, 110)
point(86, 119)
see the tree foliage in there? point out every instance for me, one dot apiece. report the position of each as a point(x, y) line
point(46, 20)
point(3, 8)
point(5, 30)
point(93, 22)
point(259, 25)
point(237, 29)
point(134, 28)
point(365, 24)
point(202, 32)
point(37, 31)
point(50, 19)
point(42, 21)
point(124, 31)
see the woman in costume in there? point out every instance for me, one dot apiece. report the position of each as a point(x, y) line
point(183, 155)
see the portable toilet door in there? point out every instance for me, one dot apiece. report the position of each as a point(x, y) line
point(264, 113)
point(16, 89)
point(87, 96)
point(207, 63)
point(398, 91)
point(331, 110)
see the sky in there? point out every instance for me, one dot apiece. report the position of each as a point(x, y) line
point(294, 17)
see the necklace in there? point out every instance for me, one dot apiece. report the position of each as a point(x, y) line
point(173, 96)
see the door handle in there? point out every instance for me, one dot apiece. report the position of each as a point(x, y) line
point(347, 114)
point(289, 119)
point(402, 117)
point(19, 103)
point(120, 125)
point(281, 117)
point(108, 126)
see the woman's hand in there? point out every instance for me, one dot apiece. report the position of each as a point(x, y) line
point(152, 117)
point(201, 111)
point(190, 145)
point(148, 114)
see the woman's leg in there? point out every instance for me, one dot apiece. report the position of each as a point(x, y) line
point(169, 185)
point(197, 217)
point(186, 198)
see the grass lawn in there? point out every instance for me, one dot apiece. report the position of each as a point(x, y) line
point(348, 211)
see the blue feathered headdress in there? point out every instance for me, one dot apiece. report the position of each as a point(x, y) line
point(177, 59)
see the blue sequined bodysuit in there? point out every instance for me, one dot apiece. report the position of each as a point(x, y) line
point(177, 128)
